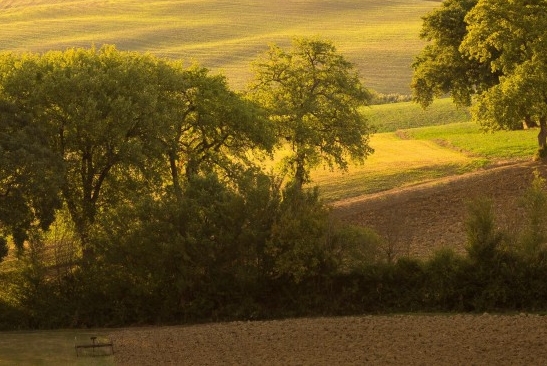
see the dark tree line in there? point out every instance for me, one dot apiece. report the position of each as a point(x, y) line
point(151, 168)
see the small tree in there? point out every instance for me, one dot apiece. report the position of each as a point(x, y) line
point(534, 233)
point(483, 238)
point(312, 95)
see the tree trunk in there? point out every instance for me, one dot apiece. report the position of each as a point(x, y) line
point(175, 176)
point(300, 175)
point(529, 122)
point(542, 135)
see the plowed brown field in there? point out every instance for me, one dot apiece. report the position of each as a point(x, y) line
point(432, 216)
point(425, 217)
point(368, 340)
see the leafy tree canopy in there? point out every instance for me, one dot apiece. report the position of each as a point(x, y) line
point(30, 176)
point(119, 124)
point(312, 95)
point(491, 49)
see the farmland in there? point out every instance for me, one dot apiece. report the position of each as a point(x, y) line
point(379, 37)
point(414, 189)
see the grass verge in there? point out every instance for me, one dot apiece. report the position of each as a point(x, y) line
point(48, 348)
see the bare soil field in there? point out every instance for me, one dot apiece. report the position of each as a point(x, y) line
point(432, 215)
point(368, 340)
point(423, 218)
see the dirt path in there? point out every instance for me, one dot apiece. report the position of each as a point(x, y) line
point(368, 340)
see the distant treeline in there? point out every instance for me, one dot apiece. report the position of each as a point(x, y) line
point(381, 98)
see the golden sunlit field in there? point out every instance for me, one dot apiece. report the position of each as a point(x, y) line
point(415, 186)
point(380, 37)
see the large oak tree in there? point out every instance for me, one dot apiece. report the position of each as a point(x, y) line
point(123, 124)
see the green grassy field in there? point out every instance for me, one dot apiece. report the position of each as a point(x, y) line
point(449, 144)
point(379, 36)
point(469, 138)
point(49, 348)
point(393, 117)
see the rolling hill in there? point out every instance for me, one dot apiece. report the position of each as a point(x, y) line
point(379, 36)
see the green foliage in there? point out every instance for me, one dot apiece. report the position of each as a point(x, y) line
point(121, 124)
point(483, 238)
point(533, 236)
point(381, 98)
point(495, 52)
point(161, 262)
point(444, 273)
point(312, 95)
point(299, 245)
point(441, 68)
point(30, 175)
point(353, 247)
point(4, 248)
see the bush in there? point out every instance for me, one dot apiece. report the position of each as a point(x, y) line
point(444, 274)
point(483, 240)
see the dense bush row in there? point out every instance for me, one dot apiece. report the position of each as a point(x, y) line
point(203, 261)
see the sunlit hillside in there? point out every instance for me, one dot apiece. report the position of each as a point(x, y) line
point(379, 36)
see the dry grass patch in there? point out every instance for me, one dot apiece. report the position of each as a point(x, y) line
point(396, 162)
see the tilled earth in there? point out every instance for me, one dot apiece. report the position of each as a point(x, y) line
point(368, 340)
point(432, 215)
point(420, 219)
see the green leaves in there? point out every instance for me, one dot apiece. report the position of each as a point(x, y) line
point(30, 175)
point(441, 67)
point(102, 126)
point(496, 53)
point(312, 95)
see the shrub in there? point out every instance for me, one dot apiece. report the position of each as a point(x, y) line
point(443, 274)
point(534, 233)
point(483, 240)
point(298, 246)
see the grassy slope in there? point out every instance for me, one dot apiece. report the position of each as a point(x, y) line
point(468, 138)
point(448, 144)
point(393, 117)
point(379, 36)
point(396, 162)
